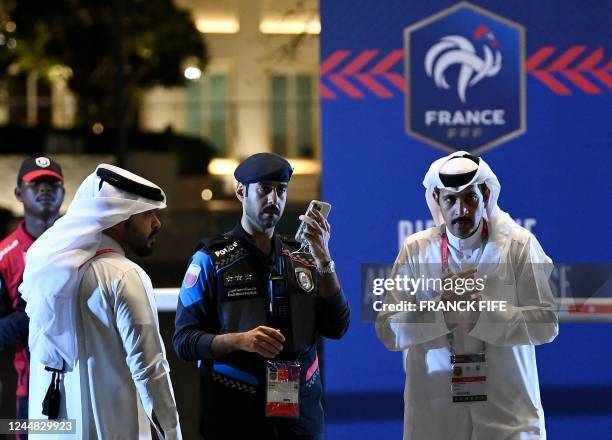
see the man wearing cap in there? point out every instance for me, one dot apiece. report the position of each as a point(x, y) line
point(41, 191)
point(249, 297)
point(470, 367)
point(96, 353)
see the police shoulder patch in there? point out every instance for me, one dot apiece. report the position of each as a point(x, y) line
point(191, 277)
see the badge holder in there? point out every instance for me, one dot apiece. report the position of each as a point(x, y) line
point(469, 377)
point(283, 389)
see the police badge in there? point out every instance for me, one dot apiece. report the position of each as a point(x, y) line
point(304, 279)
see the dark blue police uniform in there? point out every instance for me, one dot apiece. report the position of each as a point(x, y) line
point(225, 290)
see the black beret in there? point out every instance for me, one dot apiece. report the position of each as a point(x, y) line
point(263, 166)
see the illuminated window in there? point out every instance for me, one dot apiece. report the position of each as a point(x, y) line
point(207, 110)
point(292, 115)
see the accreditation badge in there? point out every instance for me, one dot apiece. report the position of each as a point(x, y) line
point(468, 377)
point(283, 389)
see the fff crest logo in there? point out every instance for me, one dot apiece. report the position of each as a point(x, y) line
point(465, 79)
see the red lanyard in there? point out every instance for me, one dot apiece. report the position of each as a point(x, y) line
point(444, 244)
point(97, 254)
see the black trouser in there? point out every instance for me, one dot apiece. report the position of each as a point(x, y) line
point(270, 429)
point(284, 433)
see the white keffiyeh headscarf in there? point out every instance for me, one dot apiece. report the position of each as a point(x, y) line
point(51, 278)
point(483, 174)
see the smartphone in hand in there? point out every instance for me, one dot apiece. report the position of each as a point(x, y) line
point(315, 205)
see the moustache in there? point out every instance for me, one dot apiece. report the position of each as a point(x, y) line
point(273, 209)
point(462, 219)
point(153, 234)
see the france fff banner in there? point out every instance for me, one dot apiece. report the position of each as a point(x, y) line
point(527, 85)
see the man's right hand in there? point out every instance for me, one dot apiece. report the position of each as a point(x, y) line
point(263, 340)
point(450, 295)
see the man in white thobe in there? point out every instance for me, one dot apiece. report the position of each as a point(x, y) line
point(473, 239)
point(93, 317)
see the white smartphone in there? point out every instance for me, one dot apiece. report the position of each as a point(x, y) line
point(315, 205)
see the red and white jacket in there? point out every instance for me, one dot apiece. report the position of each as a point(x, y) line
point(13, 319)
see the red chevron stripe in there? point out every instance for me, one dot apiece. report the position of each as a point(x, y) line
point(377, 88)
point(333, 60)
point(551, 82)
point(362, 59)
point(582, 83)
point(604, 77)
point(534, 65)
point(387, 62)
point(560, 65)
point(396, 79)
point(325, 92)
point(592, 60)
point(346, 86)
point(539, 57)
point(566, 59)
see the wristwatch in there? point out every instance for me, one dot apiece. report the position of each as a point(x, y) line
point(327, 269)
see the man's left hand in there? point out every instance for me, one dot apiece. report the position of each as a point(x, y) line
point(317, 233)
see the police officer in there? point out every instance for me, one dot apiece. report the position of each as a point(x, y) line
point(251, 309)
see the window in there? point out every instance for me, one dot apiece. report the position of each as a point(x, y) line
point(293, 115)
point(207, 110)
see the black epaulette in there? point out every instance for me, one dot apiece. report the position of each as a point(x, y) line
point(207, 242)
point(289, 241)
point(223, 249)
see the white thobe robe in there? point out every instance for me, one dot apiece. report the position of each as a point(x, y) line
point(517, 271)
point(121, 381)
